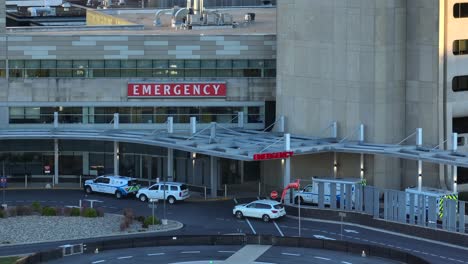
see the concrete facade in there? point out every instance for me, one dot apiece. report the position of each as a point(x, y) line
point(371, 62)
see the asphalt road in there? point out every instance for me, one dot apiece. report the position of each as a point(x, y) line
point(215, 217)
point(207, 254)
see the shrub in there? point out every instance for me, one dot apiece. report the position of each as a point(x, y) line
point(128, 212)
point(100, 212)
point(2, 213)
point(90, 212)
point(49, 211)
point(75, 211)
point(36, 206)
point(149, 221)
point(23, 210)
point(12, 211)
point(125, 223)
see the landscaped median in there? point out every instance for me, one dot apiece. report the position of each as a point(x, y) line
point(32, 224)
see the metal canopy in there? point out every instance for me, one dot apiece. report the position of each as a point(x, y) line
point(240, 144)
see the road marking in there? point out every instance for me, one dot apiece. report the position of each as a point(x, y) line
point(220, 219)
point(251, 227)
point(291, 254)
point(351, 231)
point(235, 200)
point(156, 254)
point(227, 251)
point(322, 258)
point(126, 257)
point(190, 252)
point(279, 230)
point(323, 237)
point(345, 262)
point(98, 261)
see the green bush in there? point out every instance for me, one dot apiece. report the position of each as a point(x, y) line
point(89, 212)
point(49, 211)
point(2, 213)
point(100, 212)
point(12, 211)
point(36, 206)
point(149, 221)
point(75, 212)
point(140, 218)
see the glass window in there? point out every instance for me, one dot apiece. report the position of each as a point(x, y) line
point(160, 64)
point(128, 68)
point(64, 68)
point(208, 64)
point(183, 187)
point(16, 112)
point(460, 47)
point(223, 73)
point(255, 63)
point(144, 68)
point(176, 64)
point(460, 10)
point(192, 73)
point(160, 72)
point(208, 73)
point(174, 188)
point(80, 68)
point(240, 64)
point(269, 73)
point(96, 68)
point(16, 64)
point(270, 64)
point(33, 68)
point(224, 64)
point(460, 83)
point(48, 68)
point(252, 73)
point(192, 64)
point(176, 73)
point(2, 64)
point(112, 68)
point(154, 188)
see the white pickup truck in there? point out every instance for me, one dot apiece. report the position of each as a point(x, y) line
point(309, 194)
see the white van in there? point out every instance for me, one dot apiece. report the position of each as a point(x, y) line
point(309, 194)
point(439, 195)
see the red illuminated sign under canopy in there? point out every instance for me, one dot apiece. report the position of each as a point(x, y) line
point(273, 155)
point(181, 89)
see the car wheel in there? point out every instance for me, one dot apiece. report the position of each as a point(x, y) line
point(118, 194)
point(239, 215)
point(143, 198)
point(266, 218)
point(171, 200)
point(88, 189)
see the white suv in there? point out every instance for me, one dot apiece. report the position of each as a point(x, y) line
point(172, 191)
point(118, 185)
point(263, 209)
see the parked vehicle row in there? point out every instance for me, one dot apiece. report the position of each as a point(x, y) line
point(121, 186)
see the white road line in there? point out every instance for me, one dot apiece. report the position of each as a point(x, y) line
point(156, 254)
point(322, 258)
point(345, 262)
point(227, 251)
point(251, 227)
point(98, 261)
point(291, 254)
point(190, 252)
point(279, 230)
point(235, 200)
point(126, 257)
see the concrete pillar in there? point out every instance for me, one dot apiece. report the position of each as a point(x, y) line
point(170, 124)
point(116, 120)
point(116, 158)
point(213, 130)
point(55, 119)
point(141, 167)
point(287, 164)
point(85, 157)
point(419, 144)
point(170, 164)
point(84, 117)
point(454, 169)
point(334, 130)
point(281, 124)
point(193, 125)
point(56, 162)
point(150, 167)
point(214, 176)
point(241, 168)
point(240, 119)
point(361, 133)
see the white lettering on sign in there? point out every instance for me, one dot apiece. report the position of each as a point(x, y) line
point(176, 89)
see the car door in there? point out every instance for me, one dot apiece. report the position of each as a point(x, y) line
point(250, 209)
point(97, 185)
point(262, 209)
point(152, 192)
point(162, 193)
point(106, 185)
point(307, 194)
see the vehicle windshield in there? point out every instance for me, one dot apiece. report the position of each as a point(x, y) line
point(278, 206)
point(183, 187)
